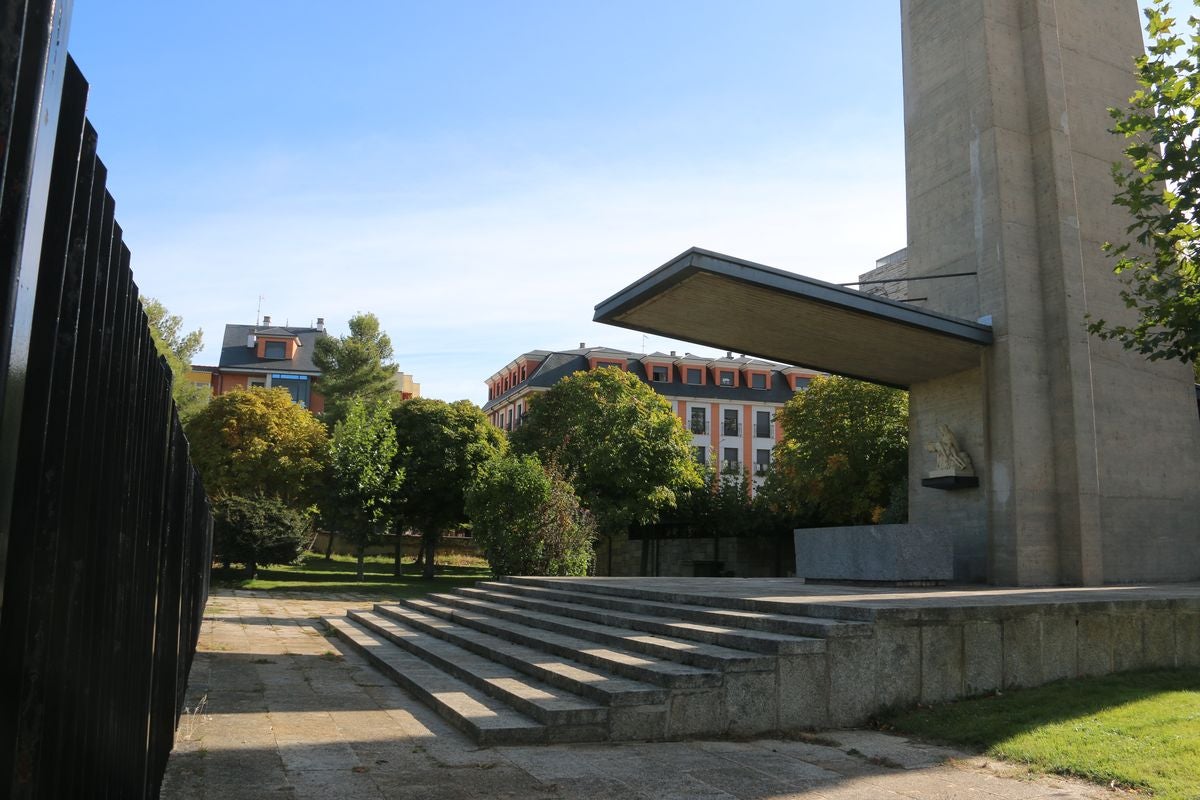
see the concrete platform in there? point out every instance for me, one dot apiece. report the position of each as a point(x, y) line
point(286, 712)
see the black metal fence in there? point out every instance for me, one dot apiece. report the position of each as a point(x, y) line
point(105, 532)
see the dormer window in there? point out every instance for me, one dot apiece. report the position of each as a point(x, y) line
point(726, 377)
point(275, 349)
point(660, 374)
point(693, 375)
point(758, 381)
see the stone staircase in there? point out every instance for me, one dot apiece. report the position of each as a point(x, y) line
point(529, 660)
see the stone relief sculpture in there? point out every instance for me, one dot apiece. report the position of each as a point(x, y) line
point(951, 459)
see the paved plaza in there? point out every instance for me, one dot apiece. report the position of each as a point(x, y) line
point(288, 712)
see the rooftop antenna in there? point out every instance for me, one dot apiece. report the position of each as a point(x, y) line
point(258, 314)
point(644, 350)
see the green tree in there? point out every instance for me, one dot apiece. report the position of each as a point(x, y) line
point(358, 365)
point(844, 450)
point(257, 441)
point(617, 441)
point(362, 479)
point(178, 348)
point(528, 519)
point(442, 447)
point(256, 530)
point(1160, 186)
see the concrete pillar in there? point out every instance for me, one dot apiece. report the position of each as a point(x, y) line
point(1090, 455)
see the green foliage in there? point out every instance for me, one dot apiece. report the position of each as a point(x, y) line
point(528, 520)
point(362, 480)
point(617, 441)
point(442, 447)
point(257, 529)
point(1137, 729)
point(358, 365)
point(844, 450)
point(178, 349)
point(257, 441)
point(1160, 187)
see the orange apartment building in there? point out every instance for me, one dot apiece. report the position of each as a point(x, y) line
point(271, 356)
point(728, 404)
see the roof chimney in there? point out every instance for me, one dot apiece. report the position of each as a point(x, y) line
point(672, 352)
point(321, 324)
point(582, 345)
point(729, 354)
point(266, 320)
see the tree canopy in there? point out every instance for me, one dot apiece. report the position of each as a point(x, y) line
point(178, 348)
point(362, 480)
point(1159, 184)
point(843, 453)
point(357, 365)
point(528, 519)
point(441, 448)
point(617, 441)
point(257, 530)
point(257, 441)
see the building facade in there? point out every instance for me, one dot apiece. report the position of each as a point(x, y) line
point(728, 404)
point(270, 356)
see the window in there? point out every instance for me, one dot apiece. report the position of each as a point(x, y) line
point(758, 381)
point(699, 421)
point(274, 350)
point(262, 384)
point(700, 454)
point(509, 426)
point(762, 424)
point(522, 373)
point(693, 375)
point(659, 374)
point(729, 422)
point(730, 461)
point(801, 383)
point(762, 461)
point(726, 378)
point(297, 387)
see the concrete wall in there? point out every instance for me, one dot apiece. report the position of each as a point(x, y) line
point(965, 654)
point(1092, 452)
point(958, 401)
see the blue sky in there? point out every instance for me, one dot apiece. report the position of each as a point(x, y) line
point(481, 174)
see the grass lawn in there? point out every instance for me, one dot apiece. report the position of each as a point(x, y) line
point(1140, 729)
point(312, 573)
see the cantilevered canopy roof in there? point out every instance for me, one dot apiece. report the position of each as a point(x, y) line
point(731, 304)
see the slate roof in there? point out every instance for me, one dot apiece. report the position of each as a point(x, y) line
point(563, 363)
point(236, 356)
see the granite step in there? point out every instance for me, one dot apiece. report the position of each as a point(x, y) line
point(705, 613)
point(526, 648)
point(623, 625)
point(573, 718)
point(485, 719)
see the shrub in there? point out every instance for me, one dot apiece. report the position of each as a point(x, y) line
point(257, 530)
point(528, 520)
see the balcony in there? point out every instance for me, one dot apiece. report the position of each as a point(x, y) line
point(730, 428)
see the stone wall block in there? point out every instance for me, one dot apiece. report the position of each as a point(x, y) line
point(898, 653)
point(1187, 639)
point(1022, 651)
point(1060, 647)
point(941, 663)
point(853, 676)
point(983, 669)
point(1095, 652)
point(751, 702)
point(803, 692)
point(1158, 638)
point(696, 713)
point(1127, 650)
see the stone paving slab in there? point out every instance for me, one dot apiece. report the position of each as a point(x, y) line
point(288, 712)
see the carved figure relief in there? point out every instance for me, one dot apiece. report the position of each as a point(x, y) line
point(950, 457)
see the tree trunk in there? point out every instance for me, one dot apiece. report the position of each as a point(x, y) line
point(399, 554)
point(329, 547)
point(419, 564)
point(251, 569)
point(430, 540)
point(362, 555)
